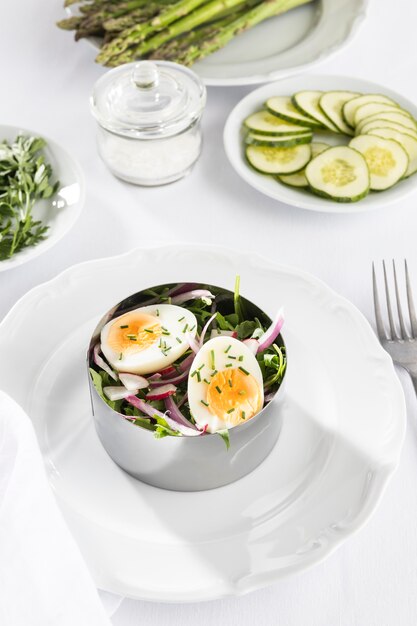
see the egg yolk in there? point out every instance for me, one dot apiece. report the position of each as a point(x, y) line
point(234, 396)
point(134, 332)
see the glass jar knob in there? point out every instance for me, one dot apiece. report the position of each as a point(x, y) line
point(145, 75)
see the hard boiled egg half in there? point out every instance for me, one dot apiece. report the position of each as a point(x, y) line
point(225, 385)
point(147, 339)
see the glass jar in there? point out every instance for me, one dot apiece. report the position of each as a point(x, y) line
point(148, 116)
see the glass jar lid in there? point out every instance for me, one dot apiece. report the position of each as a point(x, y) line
point(148, 99)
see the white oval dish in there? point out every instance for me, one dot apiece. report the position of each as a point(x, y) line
point(281, 46)
point(343, 428)
point(62, 210)
point(234, 145)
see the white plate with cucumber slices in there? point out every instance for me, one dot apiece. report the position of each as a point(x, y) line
point(325, 143)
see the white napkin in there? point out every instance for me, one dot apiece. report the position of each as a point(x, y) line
point(43, 578)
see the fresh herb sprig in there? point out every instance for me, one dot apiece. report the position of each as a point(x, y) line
point(25, 178)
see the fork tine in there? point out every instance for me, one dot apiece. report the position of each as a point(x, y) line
point(394, 336)
point(411, 309)
point(404, 334)
point(378, 317)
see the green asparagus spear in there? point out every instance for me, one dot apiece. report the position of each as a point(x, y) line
point(204, 14)
point(222, 36)
point(138, 33)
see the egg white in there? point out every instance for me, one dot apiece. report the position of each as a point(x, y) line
point(152, 359)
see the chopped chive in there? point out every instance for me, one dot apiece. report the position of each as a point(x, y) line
point(182, 318)
point(205, 403)
point(163, 328)
point(240, 358)
point(227, 349)
point(198, 376)
point(132, 338)
point(157, 312)
point(242, 369)
point(148, 330)
point(229, 364)
point(166, 333)
point(213, 373)
point(201, 367)
point(230, 411)
point(206, 381)
point(218, 389)
point(213, 364)
point(125, 326)
point(241, 392)
point(184, 330)
point(179, 340)
point(230, 382)
point(243, 415)
point(120, 356)
point(193, 373)
point(231, 357)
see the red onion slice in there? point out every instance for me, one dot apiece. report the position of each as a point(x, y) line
point(192, 295)
point(160, 393)
point(193, 343)
point(203, 332)
point(176, 414)
point(154, 377)
point(223, 333)
point(173, 381)
point(101, 362)
point(272, 333)
point(117, 392)
point(252, 344)
point(149, 410)
point(133, 382)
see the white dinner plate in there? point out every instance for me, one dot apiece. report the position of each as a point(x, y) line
point(234, 144)
point(61, 211)
point(281, 46)
point(344, 423)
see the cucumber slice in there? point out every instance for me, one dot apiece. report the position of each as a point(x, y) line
point(387, 160)
point(350, 107)
point(294, 180)
point(307, 102)
point(253, 139)
point(365, 128)
point(282, 107)
point(339, 173)
point(374, 108)
point(264, 123)
point(394, 116)
point(272, 160)
point(299, 179)
point(332, 102)
point(408, 142)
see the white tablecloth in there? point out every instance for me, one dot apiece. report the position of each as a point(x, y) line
point(45, 84)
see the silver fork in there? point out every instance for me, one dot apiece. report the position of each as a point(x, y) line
point(401, 340)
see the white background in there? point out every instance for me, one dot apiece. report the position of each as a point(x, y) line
point(45, 83)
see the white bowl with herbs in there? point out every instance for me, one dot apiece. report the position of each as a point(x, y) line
point(325, 143)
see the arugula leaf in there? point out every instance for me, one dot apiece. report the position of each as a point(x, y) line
point(101, 380)
point(246, 329)
point(223, 323)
